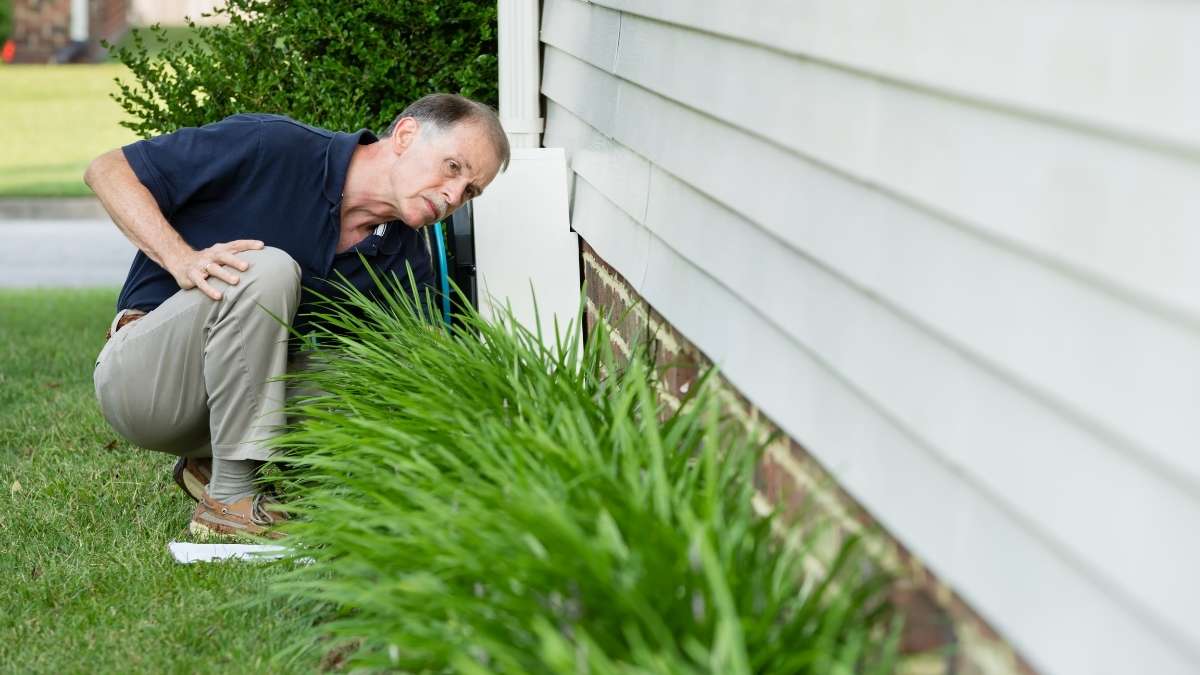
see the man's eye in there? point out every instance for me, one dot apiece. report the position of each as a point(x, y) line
point(454, 167)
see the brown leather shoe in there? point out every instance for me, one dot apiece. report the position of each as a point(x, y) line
point(192, 474)
point(252, 516)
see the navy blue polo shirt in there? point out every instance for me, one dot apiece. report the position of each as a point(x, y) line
point(266, 177)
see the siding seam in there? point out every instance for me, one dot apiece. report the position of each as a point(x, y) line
point(617, 48)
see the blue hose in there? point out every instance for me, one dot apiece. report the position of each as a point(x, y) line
point(441, 247)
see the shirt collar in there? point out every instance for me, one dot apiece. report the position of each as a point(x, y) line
point(337, 165)
point(337, 160)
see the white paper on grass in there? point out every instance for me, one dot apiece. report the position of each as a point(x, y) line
point(187, 552)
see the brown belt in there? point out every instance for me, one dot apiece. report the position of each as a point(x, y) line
point(126, 319)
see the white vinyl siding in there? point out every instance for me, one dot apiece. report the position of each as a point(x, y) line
point(971, 293)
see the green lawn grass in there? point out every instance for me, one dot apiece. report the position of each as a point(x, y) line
point(86, 581)
point(53, 121)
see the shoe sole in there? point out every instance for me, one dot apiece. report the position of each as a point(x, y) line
point(203, 533)
point(188, 482)
point(192, 486)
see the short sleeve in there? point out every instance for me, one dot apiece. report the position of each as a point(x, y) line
point(196, 163)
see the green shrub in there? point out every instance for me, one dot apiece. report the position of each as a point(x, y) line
point(339, 64)
point(5, 20)
point(475, 503)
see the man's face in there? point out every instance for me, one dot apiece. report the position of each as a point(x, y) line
point(435, 173)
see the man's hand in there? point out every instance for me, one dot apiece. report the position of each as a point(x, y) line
point(192, 269)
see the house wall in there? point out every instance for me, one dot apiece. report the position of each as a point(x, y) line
point(173, 12)
point(949, 249)
point(108, 20)
point(940, 633)
point(42, 27)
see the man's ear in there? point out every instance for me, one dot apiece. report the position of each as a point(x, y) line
point(405, 134)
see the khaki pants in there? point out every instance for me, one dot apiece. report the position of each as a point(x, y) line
point(197, 376)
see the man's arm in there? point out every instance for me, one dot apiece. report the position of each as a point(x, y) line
point(133, 209)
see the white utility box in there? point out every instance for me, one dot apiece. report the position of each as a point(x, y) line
point(524, 246)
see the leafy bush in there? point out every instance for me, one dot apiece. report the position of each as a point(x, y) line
point(6, 12)
point(474, 503)
point(334, 63)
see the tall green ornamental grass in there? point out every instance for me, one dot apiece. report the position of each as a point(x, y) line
point(473, 502)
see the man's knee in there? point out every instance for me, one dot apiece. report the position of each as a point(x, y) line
point(272, 274)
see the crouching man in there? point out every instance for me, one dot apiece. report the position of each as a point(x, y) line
point(237, 223)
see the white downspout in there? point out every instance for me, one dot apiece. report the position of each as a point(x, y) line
point(520, 72)
point(79, 20)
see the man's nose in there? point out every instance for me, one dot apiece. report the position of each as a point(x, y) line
point(454, 194)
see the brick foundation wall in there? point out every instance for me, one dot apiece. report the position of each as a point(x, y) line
point(942, 634)
point(42, 27)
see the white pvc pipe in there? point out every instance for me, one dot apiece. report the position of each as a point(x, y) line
point(520, 72)
point(79, 20)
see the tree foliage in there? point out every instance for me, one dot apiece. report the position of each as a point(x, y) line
point(339, 64)
point(5, 19)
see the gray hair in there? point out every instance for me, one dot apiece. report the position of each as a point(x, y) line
point(445, 111)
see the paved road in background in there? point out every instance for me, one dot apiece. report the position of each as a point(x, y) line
point(71, 252)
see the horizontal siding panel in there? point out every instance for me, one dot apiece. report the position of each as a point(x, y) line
point(910, 489)
point(1122, 67)
point(594, 96)
point(1084, 203)
point(591, 30)
point(600, 222)
point(1127, 374)
point(625, 174)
